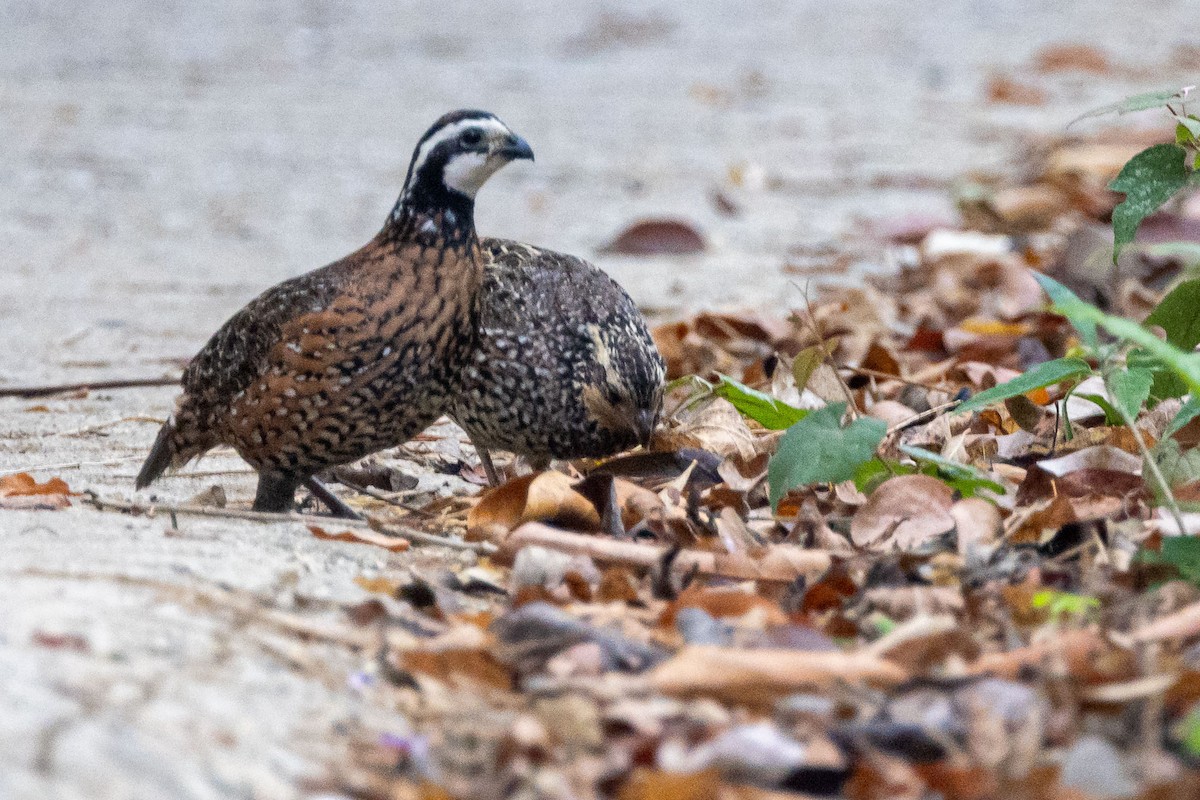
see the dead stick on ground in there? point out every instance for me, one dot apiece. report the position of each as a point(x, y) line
point(415, 537)
point(782, 563)
point(59, 388)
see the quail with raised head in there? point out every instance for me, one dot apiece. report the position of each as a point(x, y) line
point(359, 355)
point(564, 366)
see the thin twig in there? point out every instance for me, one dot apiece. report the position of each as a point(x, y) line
point(112, 423)
point(59, 388)
point(925, 416)
point(69, 465)
point(374, 523)
point(874, 373)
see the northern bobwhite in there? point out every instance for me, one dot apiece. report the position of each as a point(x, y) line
point(564, 366)
point(359, 355)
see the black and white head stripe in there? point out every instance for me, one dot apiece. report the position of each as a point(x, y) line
point(459, 153)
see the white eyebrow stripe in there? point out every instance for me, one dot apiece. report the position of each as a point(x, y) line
point(452, 130)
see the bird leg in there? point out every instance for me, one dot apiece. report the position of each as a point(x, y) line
point(336, 505)
point(276, 492)
point(489, 469)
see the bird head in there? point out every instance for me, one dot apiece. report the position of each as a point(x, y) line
point(457, 155)
point(627, 398)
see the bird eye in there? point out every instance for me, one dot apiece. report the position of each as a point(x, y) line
point(471, 137)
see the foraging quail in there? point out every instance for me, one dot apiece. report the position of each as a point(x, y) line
point(359, 355)
point(564, 366)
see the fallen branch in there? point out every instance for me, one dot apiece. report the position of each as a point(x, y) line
point(782, 563)
point(1183, 623)
point(759, 677)
point(1069, 653)
point(373, 523)
point(59, 388)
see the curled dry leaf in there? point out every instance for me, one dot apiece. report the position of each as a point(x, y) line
point(657, 237)
point(903, 513)
point(544, 496)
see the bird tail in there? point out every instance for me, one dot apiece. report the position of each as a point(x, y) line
point(162, 455)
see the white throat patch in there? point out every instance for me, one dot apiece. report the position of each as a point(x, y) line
point(466, 172)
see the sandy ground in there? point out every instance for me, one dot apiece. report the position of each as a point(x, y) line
point(162, 162)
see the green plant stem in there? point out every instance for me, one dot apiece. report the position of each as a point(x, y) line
point(1152, 465)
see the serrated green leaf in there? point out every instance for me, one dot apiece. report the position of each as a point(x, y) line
point(1041, 376)
point(1189, 411)
point(759, 406)
point(1179, 315)
point(1148, 180)
point(1185, 365)
point(1129, 388)
point(1137, 102)
point(817, 449)
point(963, 477)
point(1061, 296)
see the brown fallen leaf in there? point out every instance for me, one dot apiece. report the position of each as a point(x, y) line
point(903, 513)
point(545, 496)
point(1069, 57)
point(21, 492)
point(1006, 90)
point(759, 677)
point(362, 536)
point(657, 237)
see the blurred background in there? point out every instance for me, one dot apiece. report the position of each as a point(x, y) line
point(164, 161)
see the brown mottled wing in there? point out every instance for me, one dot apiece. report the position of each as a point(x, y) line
point(237, 354)
point(365, 371)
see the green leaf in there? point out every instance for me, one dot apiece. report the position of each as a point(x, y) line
point(1187, 731)
point(1137, 102)
point(1188, 129)
point(1063, 297)
point(1111, 415)
point(1185, 365)
point(817, 449)
point(1183, 553)
point(1129, 388)
point(1041, 376)
point(759, 406)
point(1062, 604)
point(1151, 178)
point(963, 477)
point(1190, 410)
point(871, 473)
point(1179, 315)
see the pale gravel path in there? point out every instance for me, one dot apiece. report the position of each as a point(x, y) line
point(164, 161)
